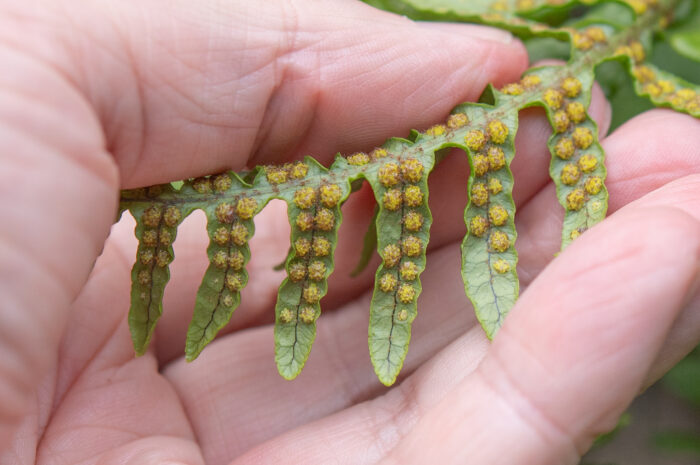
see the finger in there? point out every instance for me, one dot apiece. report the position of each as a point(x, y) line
point(185, 89)
point(58, 193)
point(577, 348)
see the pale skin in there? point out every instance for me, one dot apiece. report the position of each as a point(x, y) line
point(97, 96)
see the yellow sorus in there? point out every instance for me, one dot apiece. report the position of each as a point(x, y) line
point(321, 246)
point(144, 277)
point(166, 238)
point(531, 80)
point(581, 41)
point(413, 196)
point(402, 315)
point(498, 132)
point(525, 4)
point(413, 221)
point(644, 74)
point(330, 195)
point(311, 294)
point(412, 246)
point(325, 219)
point(412, 170)
point(666, 86)
point(305, 197)
point(234, 282)
point(576, 112)
point(317, 270)
point(437, 130)
point(480, 195)
point(594, 185)
point(512, 89)
point(408, 271)
point(246, 207)
point(481, 164)
point(389, 174)
point(497, 159)
point(686, 94)
point(392, 199)
point(150, 238)
point(639, 6)
point(575, 199)
point(475, 139)
point(495, 186)
point(163, 258)
point(275, 175)
point(583, 137)
point(358, 159)
point(307, 315)
point(388, 282)
point(406, 293)
point(478, 226)
point(298, 170)
point(151, 216)
point(302, 246)
point(564, 148)
point(222, 183)
point(652, 89)
point(570, 174)
point(391, 255)
point(553, 98)
point(596, 34)
point(146, 256)
point(220, 259)
point(379, 153)
point(221, 236)
point(239, 234)
point(297, 272)
point(224, 212)
point(499, 241)
point(305, 221)
point(286, 316)
point(574, 234)
point(560, 121)
point(201, 185)
point(638, 53)
point(587, 163)
point(501, 266)
point(571, 87)
point(457, 121)
point(498, 215)
point(236, 260)
point(172, 216)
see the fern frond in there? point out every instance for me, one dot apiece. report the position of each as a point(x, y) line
point(398, 175)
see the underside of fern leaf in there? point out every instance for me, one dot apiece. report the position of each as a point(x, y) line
point(398, 175)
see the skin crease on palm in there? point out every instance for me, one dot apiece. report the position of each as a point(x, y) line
point(98, 95)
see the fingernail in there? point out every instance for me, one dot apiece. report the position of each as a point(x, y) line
point(471, 30)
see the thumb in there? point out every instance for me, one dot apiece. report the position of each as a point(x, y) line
point(577, 348)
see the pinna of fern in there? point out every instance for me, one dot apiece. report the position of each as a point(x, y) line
point(398, 175)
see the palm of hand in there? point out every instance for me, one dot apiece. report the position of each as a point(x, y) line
point(567, 339)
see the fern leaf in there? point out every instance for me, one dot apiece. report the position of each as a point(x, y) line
point(489, 257)
point(314, 215)
point(230, 227)
point(156, 228)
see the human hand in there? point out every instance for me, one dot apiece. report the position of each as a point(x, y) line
point(106, 96)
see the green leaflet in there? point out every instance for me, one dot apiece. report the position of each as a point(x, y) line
point(156, 228)
point(577, 165)
point(230, 227)
point(398, 173)
point(314, 216)
point(369, 245)
point(489, 257)
point(400, 186)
